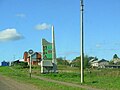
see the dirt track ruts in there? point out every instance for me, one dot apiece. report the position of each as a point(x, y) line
point(65, 83)
point(14, 85)
point(7, 83)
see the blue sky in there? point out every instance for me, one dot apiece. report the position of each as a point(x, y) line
point(23, 23)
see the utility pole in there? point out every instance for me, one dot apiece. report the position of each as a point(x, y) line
point(82, 42)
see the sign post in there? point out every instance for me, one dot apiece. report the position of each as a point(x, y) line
point(30, 53)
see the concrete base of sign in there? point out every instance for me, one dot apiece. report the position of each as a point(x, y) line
point(48, 67)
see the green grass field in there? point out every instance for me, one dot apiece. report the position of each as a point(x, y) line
point(22, 76)
point(99, 78)
point(107, 79)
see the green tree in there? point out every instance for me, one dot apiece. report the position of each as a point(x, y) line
point(86, 62)
point(77, 62)
point(115, 56)
point(60, 61)
point(111, 62)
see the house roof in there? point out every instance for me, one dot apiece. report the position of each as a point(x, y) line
point(103, 60)
point(98, 61)
point(93, 60)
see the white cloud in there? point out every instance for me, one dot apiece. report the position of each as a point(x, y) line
point(21, 15)
point(9, 35)
point(43, 26)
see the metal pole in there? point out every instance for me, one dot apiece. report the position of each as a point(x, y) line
point(82, 44)
point(30, 66)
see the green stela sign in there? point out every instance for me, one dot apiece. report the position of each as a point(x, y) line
point(47, 50)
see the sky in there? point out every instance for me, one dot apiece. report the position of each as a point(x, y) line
point(23, 23)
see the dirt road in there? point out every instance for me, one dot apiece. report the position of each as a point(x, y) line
point(9, 84)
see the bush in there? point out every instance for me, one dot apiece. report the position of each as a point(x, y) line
point(20, 64)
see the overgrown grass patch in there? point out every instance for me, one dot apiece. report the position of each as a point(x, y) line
point(22, 77)
point(108, 79)
point(67, 77)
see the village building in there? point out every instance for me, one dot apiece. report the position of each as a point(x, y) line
point(4, 63)
point(98, 63)
point(116, 60)
point(36, 58)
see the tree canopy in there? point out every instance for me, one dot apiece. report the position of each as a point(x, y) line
point(77, 62)
point(115, 56)
point(61, 61)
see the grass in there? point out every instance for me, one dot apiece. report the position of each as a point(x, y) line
point(67, 77)
point(107, 79)
point(22, 77)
